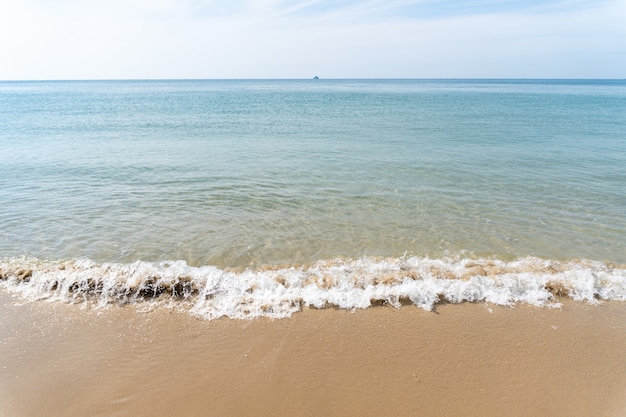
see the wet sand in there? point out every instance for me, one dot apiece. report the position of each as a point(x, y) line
point(462, 360)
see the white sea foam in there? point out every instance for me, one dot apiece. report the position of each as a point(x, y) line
point(277, 292)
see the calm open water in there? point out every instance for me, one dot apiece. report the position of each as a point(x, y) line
point(245, 173)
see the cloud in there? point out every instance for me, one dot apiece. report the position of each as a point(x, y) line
point(72, 39)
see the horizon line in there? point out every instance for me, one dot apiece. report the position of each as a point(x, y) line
point(317, 79)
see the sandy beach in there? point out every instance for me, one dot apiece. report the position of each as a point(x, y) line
point(462, 360)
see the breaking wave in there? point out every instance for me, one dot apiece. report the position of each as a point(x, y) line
point(279, 291)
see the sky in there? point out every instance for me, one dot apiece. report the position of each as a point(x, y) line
point(234, 39)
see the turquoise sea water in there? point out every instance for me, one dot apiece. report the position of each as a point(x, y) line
point(249, 173)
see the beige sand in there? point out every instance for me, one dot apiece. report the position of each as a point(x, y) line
point(465, 360)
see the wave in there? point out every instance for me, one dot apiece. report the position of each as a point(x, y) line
point(279, 291)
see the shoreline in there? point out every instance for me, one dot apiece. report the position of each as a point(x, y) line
point(462, 360)
point(279, 291)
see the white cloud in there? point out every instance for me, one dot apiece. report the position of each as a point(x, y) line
point(72, 39)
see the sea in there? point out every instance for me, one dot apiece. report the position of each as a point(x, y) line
point(258, 198)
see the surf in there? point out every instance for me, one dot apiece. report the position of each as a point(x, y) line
point(279, 291)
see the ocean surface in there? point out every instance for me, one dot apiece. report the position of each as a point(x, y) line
point(247, 198)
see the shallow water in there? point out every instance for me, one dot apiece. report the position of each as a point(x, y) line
point(243, 173)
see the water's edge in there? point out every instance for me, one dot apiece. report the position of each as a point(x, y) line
point(279, 291)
